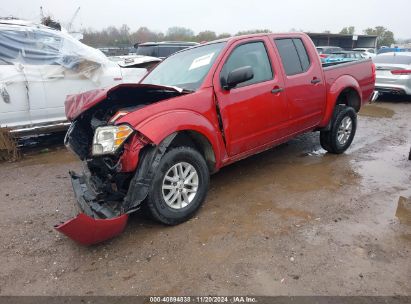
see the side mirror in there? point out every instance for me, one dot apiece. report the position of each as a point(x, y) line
point(238, 75)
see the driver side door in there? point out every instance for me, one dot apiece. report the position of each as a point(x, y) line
point(253, 111)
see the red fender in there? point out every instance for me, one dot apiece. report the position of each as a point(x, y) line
point(340, 84)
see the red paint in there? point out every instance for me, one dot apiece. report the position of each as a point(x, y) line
point(79, 103)
point(88, 231)
point(401, 72)
point(131, 151)
point(253, 118)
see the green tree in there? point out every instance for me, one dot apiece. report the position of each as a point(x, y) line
point(384, 36)
point(177, 33)
point(206, 36)
point(348, 30)
point(223, 35)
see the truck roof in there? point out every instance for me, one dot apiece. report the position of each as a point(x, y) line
point(234, 38)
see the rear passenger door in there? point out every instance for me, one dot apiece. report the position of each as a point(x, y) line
point(304, 85)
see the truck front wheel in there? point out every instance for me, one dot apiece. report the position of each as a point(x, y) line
point(179, 187)
point(342, 130)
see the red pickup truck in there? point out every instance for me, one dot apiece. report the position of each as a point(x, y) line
point(154, 144)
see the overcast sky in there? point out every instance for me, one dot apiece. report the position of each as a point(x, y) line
point(223, 15)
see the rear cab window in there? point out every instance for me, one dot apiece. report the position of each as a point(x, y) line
point(294, 56)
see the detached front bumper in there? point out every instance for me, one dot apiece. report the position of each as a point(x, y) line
point(98, 221)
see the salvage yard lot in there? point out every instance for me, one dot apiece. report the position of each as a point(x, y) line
point(292, 220)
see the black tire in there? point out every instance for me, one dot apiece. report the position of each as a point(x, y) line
point(156, 204)
point(329, 139)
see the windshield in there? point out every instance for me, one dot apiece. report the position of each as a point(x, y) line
point(185, 69)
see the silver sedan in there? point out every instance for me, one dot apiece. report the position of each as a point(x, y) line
point(393, 73)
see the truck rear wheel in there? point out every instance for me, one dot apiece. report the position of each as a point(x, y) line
point(342, 131)
point(179, 187)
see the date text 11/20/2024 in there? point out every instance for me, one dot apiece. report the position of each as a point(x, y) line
point(204, 299)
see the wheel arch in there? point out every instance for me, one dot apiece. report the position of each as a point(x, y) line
point(198, 141)
point(346, 91)
point(186, 127)
point(349, 97)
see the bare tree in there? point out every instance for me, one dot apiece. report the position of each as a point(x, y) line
point(252, 32)
point(206, 36)
point(179, 34)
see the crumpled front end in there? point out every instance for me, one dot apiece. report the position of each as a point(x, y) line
point(99, 220)
point(101, 190)
point(119, 162)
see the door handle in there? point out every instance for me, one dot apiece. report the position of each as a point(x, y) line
point(315, 80)
point(277, 90)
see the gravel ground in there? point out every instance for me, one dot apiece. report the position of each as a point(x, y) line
point(290, 221)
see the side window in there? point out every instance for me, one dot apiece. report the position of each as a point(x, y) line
point(293, 55)
point(12, 45)
point(44, 48)
point(302, 53)
point(252, 54)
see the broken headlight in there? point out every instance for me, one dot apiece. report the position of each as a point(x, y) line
point(109, 138)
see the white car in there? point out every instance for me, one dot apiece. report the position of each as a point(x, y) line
point(366, 52)
point(136, 61)
point(393, 71)
point(40, 66)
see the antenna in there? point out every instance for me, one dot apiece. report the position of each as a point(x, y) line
point(70, 24)
point(41, 13)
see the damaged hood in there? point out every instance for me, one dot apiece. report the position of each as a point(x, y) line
point(79, 103)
